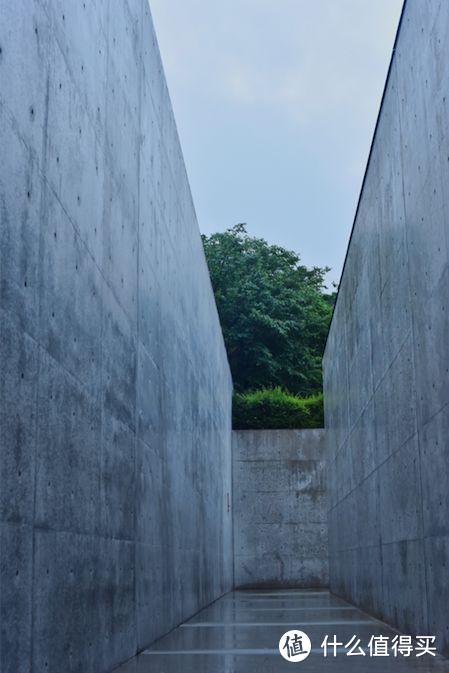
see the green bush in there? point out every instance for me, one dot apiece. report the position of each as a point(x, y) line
point(274, 408)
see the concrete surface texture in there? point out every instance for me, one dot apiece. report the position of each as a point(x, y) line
point(280, 508)
point(115, 387)
point(386, 367)
point(240, 633)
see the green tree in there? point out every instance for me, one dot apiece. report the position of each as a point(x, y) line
point(274, 312)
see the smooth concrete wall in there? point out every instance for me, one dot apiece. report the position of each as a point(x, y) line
point(280, 508)
point(115, 387)
point(386, 371)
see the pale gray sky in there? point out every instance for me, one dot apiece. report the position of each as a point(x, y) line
point(276, 102)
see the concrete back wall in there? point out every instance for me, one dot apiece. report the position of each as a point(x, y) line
point(115, 387)
point(280, 508)
point(386, 373)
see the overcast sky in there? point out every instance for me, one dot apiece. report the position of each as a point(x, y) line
point(276, 102)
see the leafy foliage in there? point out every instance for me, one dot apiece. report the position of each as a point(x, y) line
point(275, 409)
point(274, 312)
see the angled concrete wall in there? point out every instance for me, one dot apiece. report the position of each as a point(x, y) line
point(386, 365)
point(280, 508)
point(115, 437)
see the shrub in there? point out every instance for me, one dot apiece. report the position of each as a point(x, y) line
point(275, 409)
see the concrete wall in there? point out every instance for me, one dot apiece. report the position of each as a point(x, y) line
point(386, 363)
point(115, 387)
point(280, 508)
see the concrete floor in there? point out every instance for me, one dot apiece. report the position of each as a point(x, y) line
point(240, 634)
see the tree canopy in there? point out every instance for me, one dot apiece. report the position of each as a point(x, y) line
point(274, 312)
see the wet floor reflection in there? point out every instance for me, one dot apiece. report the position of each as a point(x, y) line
point(240, 634)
